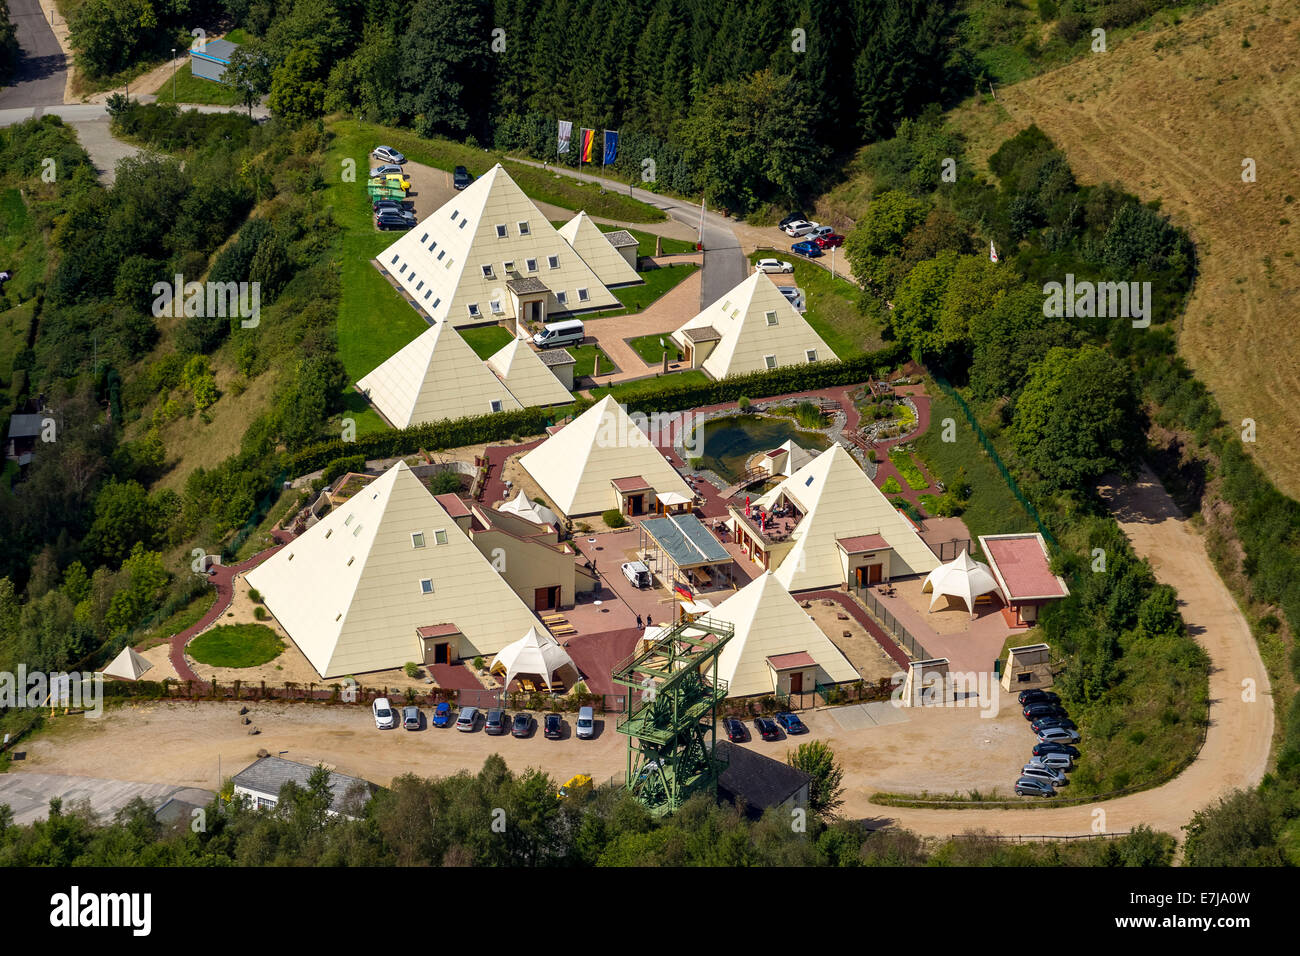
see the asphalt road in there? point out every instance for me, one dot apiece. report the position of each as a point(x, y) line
point(725, 265)
point(42, 72)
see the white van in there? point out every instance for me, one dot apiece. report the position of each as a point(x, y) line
point(586, 723)
point(561, 333)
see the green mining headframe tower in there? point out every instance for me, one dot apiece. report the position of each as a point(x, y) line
point(667, 722)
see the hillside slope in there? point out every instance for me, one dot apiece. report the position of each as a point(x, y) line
point(1170, 114)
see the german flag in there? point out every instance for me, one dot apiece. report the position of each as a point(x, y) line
point(588, 145)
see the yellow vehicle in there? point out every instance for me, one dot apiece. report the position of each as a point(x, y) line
point(397, 179)
point(581, 783)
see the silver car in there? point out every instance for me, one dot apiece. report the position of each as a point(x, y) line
point(1055, 761)
point(377, 171)
point(1058, 735)
point(386, 154)
point(1055, 777)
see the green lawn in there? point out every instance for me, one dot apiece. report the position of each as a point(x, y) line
point(236, 645)
point(486, 340)
point(992, 508)
point(907, 468)
point(646, 240)
point(648, 347)
point(192, 89)
point(586, 356)
point(629, 391)
point(832, 307)
point(637, 298)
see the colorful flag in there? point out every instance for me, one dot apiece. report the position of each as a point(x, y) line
point(586, 151)
point(566, 131)
point(685, 592)
point(611, 146)
point(993, 253)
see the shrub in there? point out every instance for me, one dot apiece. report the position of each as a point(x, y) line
point(891, 486)
point(341, 466)
point(261, 613)
point(412, 669)
point(743, 403)
point(479, 663)
point(255, 595)
point(445, 482)
point(613, 518)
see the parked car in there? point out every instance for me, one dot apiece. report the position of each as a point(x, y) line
point(553, 727)
point(1058, 735)
point(522, 725)
point(800, 227)
point(586, 723)
point(819, 232)
point(1030, 696)
point(637, 573)
point(384, 170)
point(386, 154)
point(389, 205)
point(460, 177)
point(468, 719)
point(1056, 761)
point(808, 248)
point(791, 723)
point(1047, 747)
point(395, 179)
point(793, 217)
point(736, 731)
point(766, 729)
point(793, 296)
point(1042, 723)
point(392, 220)
point(442, 714)
point(829, 240)
point(411, 718)
point(385, 719)
point(405, 214)
point(773, 265)
point(1056, 778)
point(495, 724)
point(1033, 787)
point(1043, 709)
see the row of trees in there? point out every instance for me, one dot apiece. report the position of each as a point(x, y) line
point(500, 818)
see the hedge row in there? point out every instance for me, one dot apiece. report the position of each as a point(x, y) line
point(498, 426)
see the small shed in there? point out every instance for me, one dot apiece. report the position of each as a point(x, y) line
point(210, 62)
point(755, 782)
point(261, 782)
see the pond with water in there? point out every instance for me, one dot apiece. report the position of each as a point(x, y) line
point(730, 442)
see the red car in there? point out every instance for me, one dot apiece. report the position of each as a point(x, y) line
point(834, 239)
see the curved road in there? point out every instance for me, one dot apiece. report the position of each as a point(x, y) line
point(725, 265)
point(1236, 749)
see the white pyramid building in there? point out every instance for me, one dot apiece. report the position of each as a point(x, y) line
point(576, 467)
point(530, 510)
point(456, 263)
point(839, 501)
point(596, 250)
point(353, 588)
point(770, 623)
point(435, 376)
point(756, 328)
point(527, 376)
point(128, 665)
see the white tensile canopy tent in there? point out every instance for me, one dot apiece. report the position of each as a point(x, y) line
point(530, 510)
point(537, 653)
point(127, 666)
point(963, 577)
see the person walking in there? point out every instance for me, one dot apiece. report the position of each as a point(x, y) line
point(639, 625)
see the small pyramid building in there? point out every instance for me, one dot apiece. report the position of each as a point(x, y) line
point(599, 461)
point(435, 376)
point(843, 514)
point(488, 254)
point(380, 576)
point(598, 252)
point(750, 329)
point(530, 510)
point(527, 377)
point(775, 638)
point(128, 665)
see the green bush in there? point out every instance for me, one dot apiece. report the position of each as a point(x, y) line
point(891, 486)
point(341, 466)
point(412, 669)
point(613, 518)
point(261, 613)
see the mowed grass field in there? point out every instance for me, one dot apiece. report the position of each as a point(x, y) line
point(1171, 114)
point(832, 306)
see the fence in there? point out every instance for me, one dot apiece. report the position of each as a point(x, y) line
point(891, 624)
point(852, 692)
point(993, 456)
point(948, 550)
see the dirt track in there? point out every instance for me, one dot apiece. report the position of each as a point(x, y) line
point(1237, 746)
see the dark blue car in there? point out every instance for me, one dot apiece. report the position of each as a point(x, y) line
point(442, 715)
point(807, 248)
point(791, 724)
